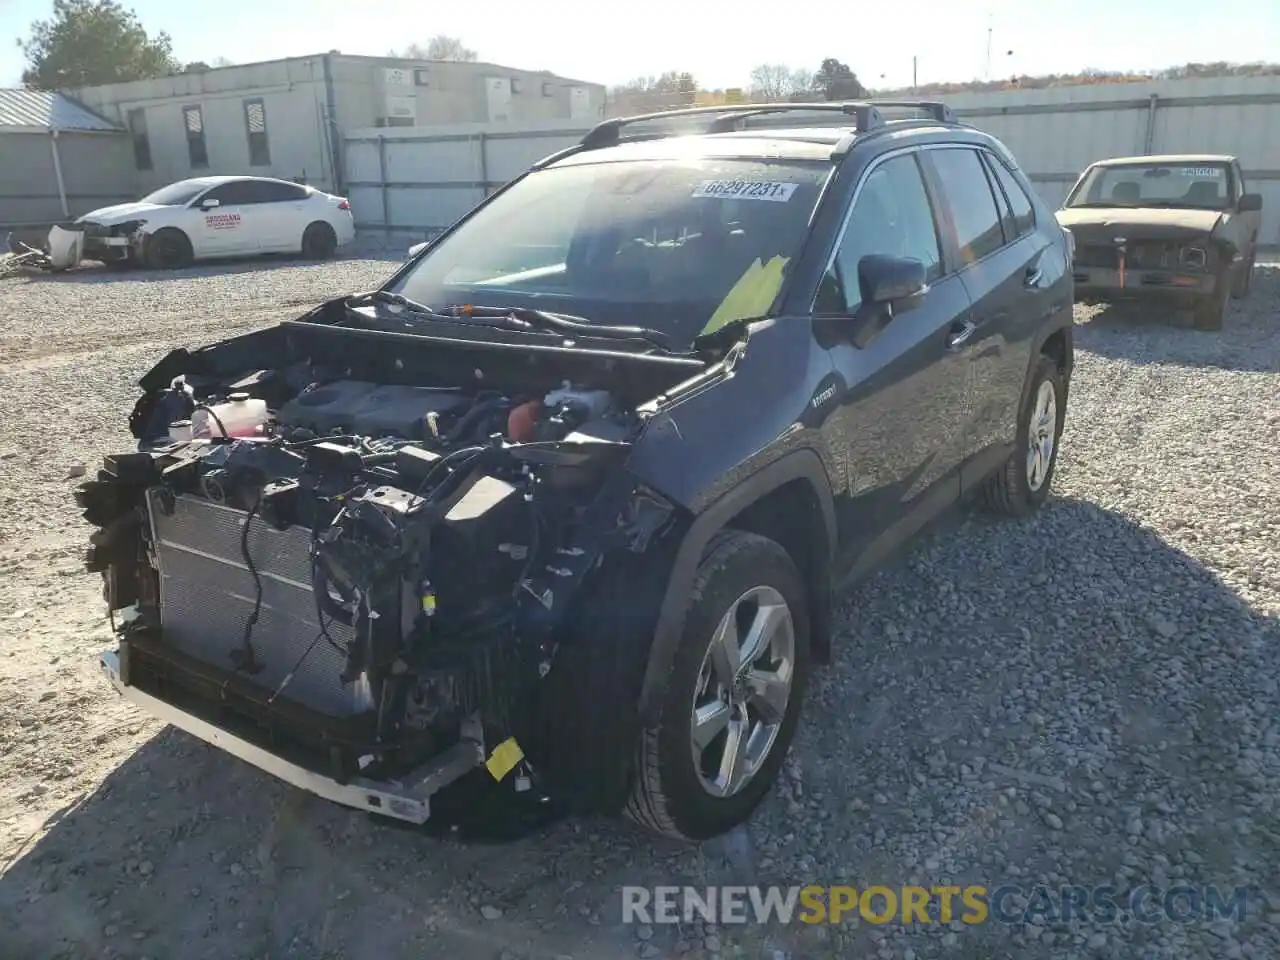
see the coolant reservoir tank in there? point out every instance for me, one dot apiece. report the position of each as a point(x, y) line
point(240, 416)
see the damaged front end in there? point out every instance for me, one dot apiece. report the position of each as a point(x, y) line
point(353, 565)
point(115, 243)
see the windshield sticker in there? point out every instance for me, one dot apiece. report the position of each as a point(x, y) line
point(1203, 173)
point(746, 190)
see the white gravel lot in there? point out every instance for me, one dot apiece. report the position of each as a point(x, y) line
point(1090, 697)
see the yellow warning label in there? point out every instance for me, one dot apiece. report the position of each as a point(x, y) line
point(504, 758)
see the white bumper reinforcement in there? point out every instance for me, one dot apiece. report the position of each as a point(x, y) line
point(406, 799)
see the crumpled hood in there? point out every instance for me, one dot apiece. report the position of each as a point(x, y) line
point(1106, 223)
point(120, 213)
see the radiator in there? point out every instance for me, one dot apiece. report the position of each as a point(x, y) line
point(207, 595)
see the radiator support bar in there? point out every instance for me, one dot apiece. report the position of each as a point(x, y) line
point(406, 798)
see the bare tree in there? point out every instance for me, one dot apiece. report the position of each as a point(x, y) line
point(801, 84)
point(439, 47)
point(771, 82)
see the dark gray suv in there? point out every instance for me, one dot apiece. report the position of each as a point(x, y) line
point(563, 504)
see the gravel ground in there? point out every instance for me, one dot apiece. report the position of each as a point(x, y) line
point(1089, 697)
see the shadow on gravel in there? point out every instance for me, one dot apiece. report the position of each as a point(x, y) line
point(185, 852)
point(1145, 333)
point(96, 274)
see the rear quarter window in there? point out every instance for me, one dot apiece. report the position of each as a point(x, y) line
point(1020, 207)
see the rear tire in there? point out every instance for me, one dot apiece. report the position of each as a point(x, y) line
point(168, 249)
point(1021, 485)
point(319, 241)
point(744, 583)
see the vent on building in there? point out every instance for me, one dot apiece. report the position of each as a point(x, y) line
point(197, 151)
point(255, 123)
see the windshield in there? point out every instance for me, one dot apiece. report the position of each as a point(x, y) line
point(678, 246)
point(1196, 186)
point(176, 194)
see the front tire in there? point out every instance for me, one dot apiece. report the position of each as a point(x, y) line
point(1021, 485)
point(1244, 282)
point(733, 696)
point(1210, 312)
point(168, 249)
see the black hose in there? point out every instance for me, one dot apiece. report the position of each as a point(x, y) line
point(246, 645)
point(445, 461)
point(216, 418)
point(473, 416)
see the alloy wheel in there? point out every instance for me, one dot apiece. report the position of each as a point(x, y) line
point(743, 691)
point(1041, 434)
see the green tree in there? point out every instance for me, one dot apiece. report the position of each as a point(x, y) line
point(88, 42)
point(835, 81)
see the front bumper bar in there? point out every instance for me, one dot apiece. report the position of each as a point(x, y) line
point(1141, 283)
point(407, 799)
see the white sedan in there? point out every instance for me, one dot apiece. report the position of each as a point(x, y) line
point(209, 217)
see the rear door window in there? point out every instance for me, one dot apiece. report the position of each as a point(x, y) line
point(969, 201)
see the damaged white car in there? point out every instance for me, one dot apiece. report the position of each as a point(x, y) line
point(206, 218)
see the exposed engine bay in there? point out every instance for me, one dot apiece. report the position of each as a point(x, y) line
point(365, 553)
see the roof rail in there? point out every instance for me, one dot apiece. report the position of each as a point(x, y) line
point(936, 109)
point(721, 119)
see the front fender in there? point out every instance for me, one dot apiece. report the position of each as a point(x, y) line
point(804, 465)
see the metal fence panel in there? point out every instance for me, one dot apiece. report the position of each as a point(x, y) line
point(426, 178)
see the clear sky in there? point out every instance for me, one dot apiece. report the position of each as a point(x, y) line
point(718, 42)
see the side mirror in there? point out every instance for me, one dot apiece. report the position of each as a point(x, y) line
point(888, 285)
point(890, 280)
point(209, 203)
point(1250, 202)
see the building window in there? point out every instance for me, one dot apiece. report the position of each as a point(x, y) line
point(517, 85)
point(141, 142)
point(255, 123)
point(193, 121)
point(546, 89)
point(422, 78)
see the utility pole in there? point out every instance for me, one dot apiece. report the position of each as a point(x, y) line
point(988, 51)
point(913, 75)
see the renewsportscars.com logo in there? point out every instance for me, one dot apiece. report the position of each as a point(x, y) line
point(943, 904)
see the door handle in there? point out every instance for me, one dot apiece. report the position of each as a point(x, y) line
point(1032, 276)
point(961, 331)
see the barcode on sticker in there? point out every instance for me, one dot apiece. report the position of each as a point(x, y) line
point(1202, 173)
point(746, 190)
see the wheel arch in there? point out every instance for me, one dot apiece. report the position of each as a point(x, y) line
point(1056, 343)
point(788, 501)
point(319, 224)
